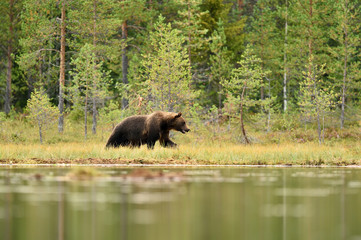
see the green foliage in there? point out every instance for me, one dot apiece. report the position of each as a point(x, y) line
point(267, 39)
point(316, 98)
point(248, 76)
point(188, 59)
point(190, 26)
point(345, 34)
point(220, 60)
point(111, 114)
point(93, 22)
point(39, 32)
point(41, 112)
point(90, 81)
point(167, 70)
point(215, 10)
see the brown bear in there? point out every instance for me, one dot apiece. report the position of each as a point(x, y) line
point(147, 129)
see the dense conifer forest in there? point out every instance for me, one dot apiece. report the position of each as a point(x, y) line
point(269, 64)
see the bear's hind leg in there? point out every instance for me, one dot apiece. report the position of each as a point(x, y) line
point(150, 144)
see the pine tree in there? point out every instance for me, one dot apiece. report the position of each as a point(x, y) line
point(166, 69)
point(93, 23)
point(308, 29)
point(345, 64)
point(9, 28)
point(90, 83)
point(264, 37)
point(191, 28)
point(42, 36)
point(247, 77)
point(62, 66)
point(220, 61)
point(41, 112)
point(133, 13)
point(316, 98)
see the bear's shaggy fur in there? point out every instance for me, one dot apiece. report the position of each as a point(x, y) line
point(147, 129)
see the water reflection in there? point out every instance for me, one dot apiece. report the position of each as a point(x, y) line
point(180, 203)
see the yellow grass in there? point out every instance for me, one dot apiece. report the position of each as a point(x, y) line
point(225, 153)
point(19, 143)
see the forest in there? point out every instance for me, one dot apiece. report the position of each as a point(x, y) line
point(232, 67)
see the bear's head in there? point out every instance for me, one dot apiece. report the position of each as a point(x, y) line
point(178, 123)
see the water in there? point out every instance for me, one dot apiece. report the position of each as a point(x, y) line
point(181, 203)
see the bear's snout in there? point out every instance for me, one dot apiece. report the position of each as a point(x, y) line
point(185, 130)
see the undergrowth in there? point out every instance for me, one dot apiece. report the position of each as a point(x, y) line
point(19, 142)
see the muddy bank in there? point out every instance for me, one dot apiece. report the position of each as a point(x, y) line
point(170, 162)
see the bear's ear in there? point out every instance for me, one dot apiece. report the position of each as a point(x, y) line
point(178, 115)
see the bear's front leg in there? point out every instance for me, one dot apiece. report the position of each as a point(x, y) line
point(166, 142)
point(170, 143)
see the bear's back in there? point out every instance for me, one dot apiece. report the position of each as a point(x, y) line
point(132, 123)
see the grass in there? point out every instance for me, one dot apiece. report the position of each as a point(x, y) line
point(270, 154)
point(19, 144)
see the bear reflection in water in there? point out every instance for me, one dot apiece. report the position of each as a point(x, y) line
point(137, 130)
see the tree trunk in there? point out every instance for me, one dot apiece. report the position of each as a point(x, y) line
point(240, 4)
point(219, 96)
point(285, 63)
point(241, 112)
point(319, 125)
point(62, 69)
point(189, 34)
point(8, 80)
point(7, 105)
point(40, 133)
point(269, 107)
point(94, 127)
point(323, 127)
point(86, 117)
point(310, 33)
point(124, 62)
point(343, 97)
point(94, 110)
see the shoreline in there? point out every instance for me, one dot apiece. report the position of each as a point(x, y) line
point(130, 165)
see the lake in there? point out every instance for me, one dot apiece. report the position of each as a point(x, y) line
point(156, 203)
